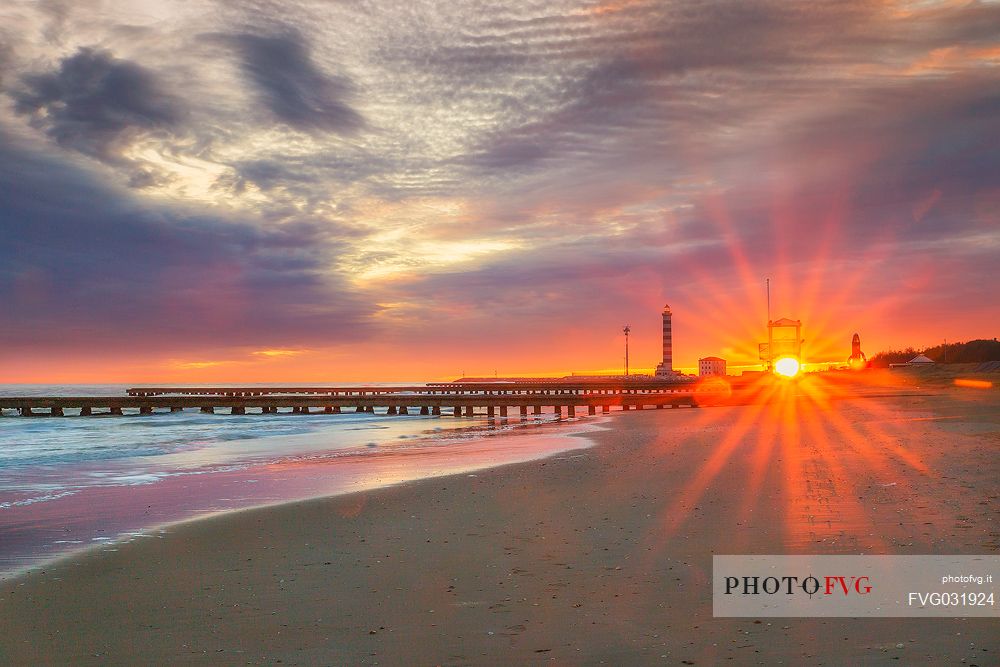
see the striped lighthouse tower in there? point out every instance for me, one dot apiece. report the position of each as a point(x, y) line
point(666, 367)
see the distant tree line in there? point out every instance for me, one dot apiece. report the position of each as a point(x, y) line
point(974, 351)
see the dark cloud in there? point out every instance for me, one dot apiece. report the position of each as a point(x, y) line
point(82, 263)
point(917, 160)
point(293, 87)
point(510, 152)
point(97, 104)
point(649, 79)
point(5, 59)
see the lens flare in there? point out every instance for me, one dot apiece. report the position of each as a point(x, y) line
point(857, 363)
point(975, 384)
point(787, 366)
point(712, 390)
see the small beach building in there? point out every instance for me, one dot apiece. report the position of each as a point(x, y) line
point(711, 366)
point(919, 361)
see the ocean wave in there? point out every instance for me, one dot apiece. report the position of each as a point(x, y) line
point(35, 499)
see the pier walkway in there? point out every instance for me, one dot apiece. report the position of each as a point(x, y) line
point(457, 399)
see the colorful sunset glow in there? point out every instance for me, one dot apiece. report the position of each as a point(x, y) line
point(784, 425)
point(313, 191)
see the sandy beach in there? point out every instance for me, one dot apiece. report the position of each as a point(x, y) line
point(601, 555)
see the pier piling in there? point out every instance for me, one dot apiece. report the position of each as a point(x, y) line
point(458, 399)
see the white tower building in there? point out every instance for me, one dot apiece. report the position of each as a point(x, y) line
point(666, 367)
point(711, 366)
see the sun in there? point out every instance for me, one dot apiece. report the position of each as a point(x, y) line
point(787, 366)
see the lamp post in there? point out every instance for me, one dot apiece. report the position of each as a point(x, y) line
point(626, 329)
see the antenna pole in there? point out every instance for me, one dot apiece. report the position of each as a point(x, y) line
point(626, 329)
point(767, 281)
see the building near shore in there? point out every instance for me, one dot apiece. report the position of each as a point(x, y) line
point(919, 360)
point(711, 366)
point(784, 339)
point(665, 369)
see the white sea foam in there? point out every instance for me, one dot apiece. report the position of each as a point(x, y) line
point(37, 499)
point(45, 460)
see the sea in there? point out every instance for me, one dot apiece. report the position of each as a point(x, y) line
point(73, 483)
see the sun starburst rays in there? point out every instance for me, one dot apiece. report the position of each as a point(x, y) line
point(822, 448)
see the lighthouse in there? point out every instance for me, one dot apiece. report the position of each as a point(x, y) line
point(666, 367)
point(857, 360)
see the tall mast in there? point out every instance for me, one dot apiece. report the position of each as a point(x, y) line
point(767, 281)
point(626, 329)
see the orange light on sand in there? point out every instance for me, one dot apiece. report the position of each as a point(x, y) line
point(712, 390)
point(787, 366)
point(857, 364)
point(974, 384)
point(786, 435)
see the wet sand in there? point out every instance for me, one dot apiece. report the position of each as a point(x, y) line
point(36, 532)
point(595, 556)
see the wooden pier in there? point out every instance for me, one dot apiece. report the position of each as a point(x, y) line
point(452, 399)
point(432, 389)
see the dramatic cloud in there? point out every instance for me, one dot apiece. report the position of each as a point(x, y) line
point(96, 103)
point(81, 265)
point(292, 86)
point(306, 172)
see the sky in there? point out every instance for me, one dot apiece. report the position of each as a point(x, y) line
point(332, 191)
